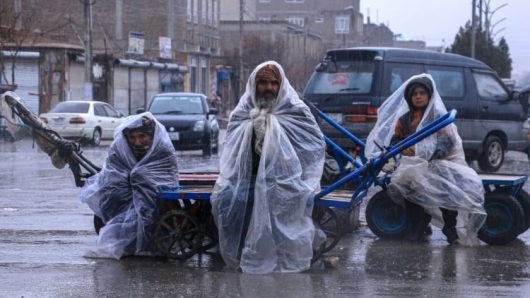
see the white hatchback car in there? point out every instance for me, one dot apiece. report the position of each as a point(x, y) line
point(83, 120)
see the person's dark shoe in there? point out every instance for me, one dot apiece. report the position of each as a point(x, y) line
point(427, 231)
point(451, 234)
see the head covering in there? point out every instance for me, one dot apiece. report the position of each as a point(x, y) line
point(269, 72)
point(418, 82)
point(143, 124)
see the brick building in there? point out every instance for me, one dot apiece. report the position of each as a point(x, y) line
point(139, 47)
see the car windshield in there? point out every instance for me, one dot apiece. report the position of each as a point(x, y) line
point(176, 105)
point(353, 76)
point(71, 107)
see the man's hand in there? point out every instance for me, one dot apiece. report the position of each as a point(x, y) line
point(409, 151)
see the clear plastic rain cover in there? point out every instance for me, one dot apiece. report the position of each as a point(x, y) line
point(281, 233)
point(438, 175)
point(123, 193)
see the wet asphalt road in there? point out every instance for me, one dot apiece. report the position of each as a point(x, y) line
point(45, 231)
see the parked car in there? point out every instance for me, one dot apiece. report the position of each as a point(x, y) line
point(350, 84)
point(189, 121)
point(83, 120)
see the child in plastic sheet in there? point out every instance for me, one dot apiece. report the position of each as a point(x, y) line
point(432, 178)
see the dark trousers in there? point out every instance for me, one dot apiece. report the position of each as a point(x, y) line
point(419, 220)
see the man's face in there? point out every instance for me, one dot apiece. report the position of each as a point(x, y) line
point(267, 89)
point(140, 142)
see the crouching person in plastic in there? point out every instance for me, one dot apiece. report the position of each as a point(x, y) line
point(432, 178)
point(270, 168)
point(140, 161)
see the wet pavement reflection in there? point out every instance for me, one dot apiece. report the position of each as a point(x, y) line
point(45, 232)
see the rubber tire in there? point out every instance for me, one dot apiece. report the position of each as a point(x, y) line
point(208, 147)
point(215, 150)
point(524, 200)
point(98, 224)
point(385, 218)
point(96, 137)
point(503, 207)
point(491, 143)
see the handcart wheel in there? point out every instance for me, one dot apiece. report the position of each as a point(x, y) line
point(385, 218)
point(178, 235)
point(524, 200)
point(327, 220)
point(505, 219)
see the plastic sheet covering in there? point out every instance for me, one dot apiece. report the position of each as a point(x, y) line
point(438, 175)
point(281, 232)
point(123, 193)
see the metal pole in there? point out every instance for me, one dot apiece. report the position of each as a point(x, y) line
point(87, 94)
point(473, 29)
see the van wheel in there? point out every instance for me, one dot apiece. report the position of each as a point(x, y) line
point(504, 219)
point(385, 218)
point(208, 147)
point(492, 155)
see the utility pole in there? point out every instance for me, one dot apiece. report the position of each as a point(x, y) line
point(88, 94)
point(473, 28)
point(241, 42)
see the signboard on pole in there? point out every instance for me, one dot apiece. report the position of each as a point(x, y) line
point(136, 43)
point(165, 47)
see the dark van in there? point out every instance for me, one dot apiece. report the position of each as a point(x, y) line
point(350, 84)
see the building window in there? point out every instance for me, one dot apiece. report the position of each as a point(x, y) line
point(193, 75)
point(213, 11)
point(204, 76)
point(204, 12)
point(264, 1)
point(342, 25)
point(195, 11)
point(294, 1)
point(319, 20)
point(189, 11)
point(295, 20)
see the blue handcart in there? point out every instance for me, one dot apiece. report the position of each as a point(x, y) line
point(188, 228)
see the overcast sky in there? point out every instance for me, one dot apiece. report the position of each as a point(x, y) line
point(437, 22)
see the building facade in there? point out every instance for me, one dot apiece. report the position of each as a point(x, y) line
point(139, 48)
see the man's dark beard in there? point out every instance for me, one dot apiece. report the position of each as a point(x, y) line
point(140, 151)
point(264, 103)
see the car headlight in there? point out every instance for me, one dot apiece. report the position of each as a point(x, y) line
point(199, 126)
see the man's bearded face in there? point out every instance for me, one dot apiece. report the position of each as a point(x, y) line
point(266, 92)
point(140, 143)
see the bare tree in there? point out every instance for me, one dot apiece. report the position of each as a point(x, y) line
point(15, 32)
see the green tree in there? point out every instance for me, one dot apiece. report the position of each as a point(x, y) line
point(496, 56)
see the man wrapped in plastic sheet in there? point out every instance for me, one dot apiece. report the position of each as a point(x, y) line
point(270, 168)
point(432, 176)
point(140, 161)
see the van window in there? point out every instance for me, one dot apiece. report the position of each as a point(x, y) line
point(347, 76)
point(489, 87)
point(449, 82)
point(399, 73)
